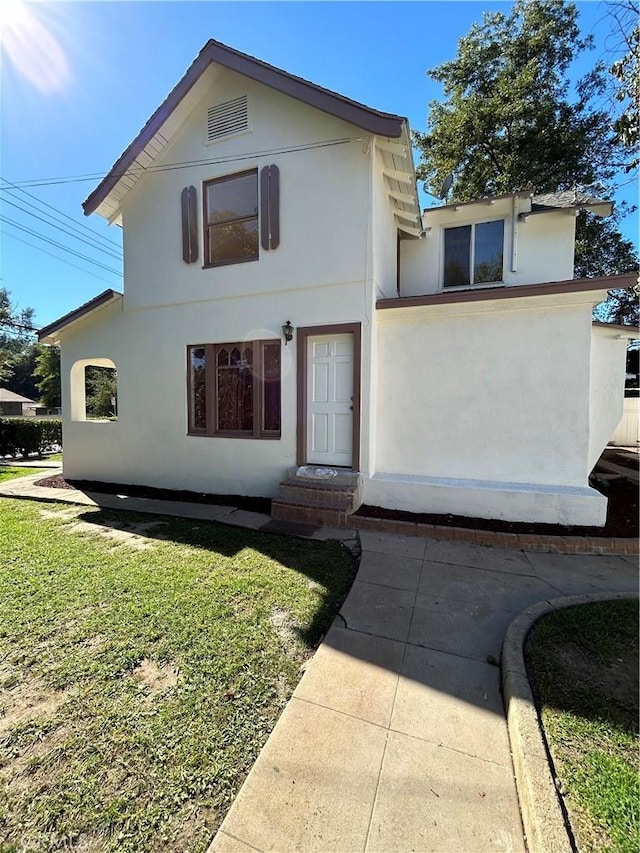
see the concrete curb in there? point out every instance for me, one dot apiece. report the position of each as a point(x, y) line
point(585, 545)
point(543, 817)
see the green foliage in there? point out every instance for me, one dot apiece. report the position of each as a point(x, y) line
point(47, 372)
point(16, 332)
point(509, 121)
point(101, 387)
point(625, 72)
point(24, 436)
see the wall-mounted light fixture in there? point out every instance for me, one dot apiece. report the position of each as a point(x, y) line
point(287, 331)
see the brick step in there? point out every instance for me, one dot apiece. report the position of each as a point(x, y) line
point(317, 514)
point(310, 494)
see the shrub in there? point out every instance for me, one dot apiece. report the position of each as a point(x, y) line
point(23, 436)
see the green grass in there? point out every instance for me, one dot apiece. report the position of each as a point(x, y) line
point(12, 472)
point(142, 669)
point(584, 663)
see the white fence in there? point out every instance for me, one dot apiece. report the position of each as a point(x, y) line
point(627, 432)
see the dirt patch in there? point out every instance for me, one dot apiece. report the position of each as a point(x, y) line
point(156, 678)
point(284, 625)
point(126, 533)
point(30, 700)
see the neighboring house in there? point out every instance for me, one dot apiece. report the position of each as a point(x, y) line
point(286, 303)
point(14, 405)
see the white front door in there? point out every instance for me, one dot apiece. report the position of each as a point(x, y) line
point(330, 399)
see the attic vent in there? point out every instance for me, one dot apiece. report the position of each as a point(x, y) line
point(225, 119)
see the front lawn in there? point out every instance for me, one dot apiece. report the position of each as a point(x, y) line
point(584, 664)
point(11, 472)
point(143, 663)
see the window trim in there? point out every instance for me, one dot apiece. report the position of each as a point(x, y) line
point(472, 286)
point(211, 387)
point(207, 262)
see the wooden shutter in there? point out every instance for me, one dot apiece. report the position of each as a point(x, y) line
point(189, 199)
point(270, 207)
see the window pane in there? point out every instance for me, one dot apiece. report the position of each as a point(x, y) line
point(235, 398)
point(233, 241)
point(489, 239)
point(457, 244)
point(233, 198)
point(271, 387)
point(198, 401)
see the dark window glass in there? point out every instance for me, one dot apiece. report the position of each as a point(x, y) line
point(198, 384)
point(240, 384)
point(271, 387)
point(231, 219)
point(234, 399)
point(457, 246)
point(488, 243)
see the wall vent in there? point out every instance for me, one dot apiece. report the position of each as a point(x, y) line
point(228, 118)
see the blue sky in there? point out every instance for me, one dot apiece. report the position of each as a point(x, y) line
point(95, 71)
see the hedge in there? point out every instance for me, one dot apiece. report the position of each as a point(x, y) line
point(23, 436)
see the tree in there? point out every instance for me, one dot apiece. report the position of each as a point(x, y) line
point(101, 388)
point(625, 72)
point(509, 122)
point(16, 333)
point(47, 371)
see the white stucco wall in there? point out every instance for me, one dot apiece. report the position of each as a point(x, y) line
point(606, 387)
point(482, 410)
point(543, 245)
point(149, 444)
point(324, 202)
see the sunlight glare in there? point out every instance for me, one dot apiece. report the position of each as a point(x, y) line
point(32, 49)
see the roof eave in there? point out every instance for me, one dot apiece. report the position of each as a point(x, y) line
point(50, 334)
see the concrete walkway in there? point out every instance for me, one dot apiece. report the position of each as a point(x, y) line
point(395, 739)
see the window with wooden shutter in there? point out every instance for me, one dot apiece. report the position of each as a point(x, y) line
point(231, 219)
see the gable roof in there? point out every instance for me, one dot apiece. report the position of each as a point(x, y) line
point(7, 396)
point(150, 141)
point(51, 333)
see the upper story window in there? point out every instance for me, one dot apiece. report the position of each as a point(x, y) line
point(231, 219)
point(473, 254)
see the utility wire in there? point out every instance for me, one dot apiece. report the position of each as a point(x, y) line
point(51, 255)
point(75, 222)
point(186, 164)
point(69, 233)
point(58, 245)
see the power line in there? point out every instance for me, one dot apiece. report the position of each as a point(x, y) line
point(58, 245)
point(186, 164)
point(51, 255)
point(97, 248)
point(75, 222)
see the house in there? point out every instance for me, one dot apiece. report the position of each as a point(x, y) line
point(288, 308)
point(15, 405)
